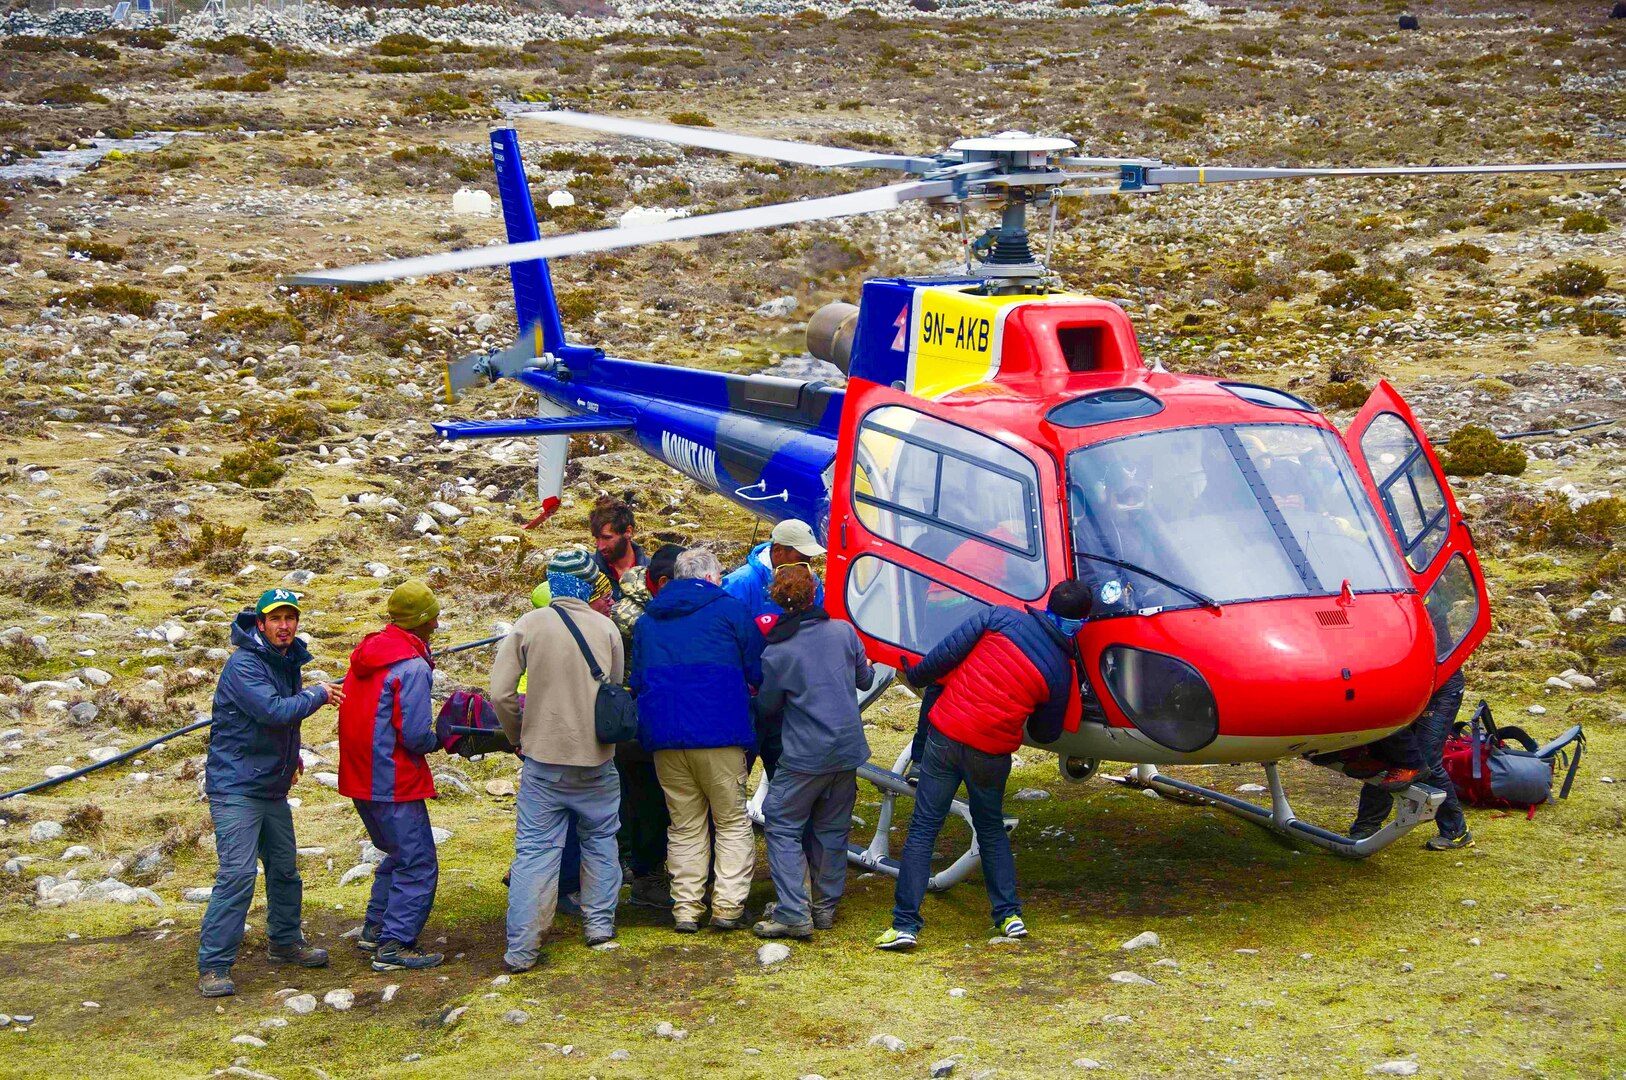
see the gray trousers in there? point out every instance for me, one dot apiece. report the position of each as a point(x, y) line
point(808, 817)
point(549, 795)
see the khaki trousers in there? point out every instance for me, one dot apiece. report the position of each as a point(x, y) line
point(698, 784)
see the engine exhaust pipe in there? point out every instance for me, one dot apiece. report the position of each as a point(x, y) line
point(830, 334)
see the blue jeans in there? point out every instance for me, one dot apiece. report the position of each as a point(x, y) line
point(947, 764)
point(404, 883)
point(249, 830)
point(807, 818)
point(549, 797)
point(1428, 733)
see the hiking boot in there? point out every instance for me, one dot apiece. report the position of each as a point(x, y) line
point(824, 918)
point(1012, 926)
point(599, 937)
point(300, 952)
point(570, 904)
point(393, 956)
point(216, 984)
point(519, 969)
point(686, 926)
point(737, 922)
point(1396, 779)
point(652, 891)
point(1462, 840)
point(367, 940)
point(1360, 830)
point(895, 940)
point(773, 928)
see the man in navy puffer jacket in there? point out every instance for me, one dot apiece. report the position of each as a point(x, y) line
point(695, 658)
point(253, 760)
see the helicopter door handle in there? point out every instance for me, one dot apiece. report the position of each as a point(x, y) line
point(760, 485)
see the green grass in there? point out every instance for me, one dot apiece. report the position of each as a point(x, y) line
point(1098, 865)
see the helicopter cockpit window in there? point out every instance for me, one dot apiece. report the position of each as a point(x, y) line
point(1268, 396)
point(951, 495)
point(1233, 513)
point(1411, 493)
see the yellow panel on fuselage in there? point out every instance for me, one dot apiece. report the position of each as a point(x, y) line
point(955, 337)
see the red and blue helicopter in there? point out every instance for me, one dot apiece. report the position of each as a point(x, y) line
point(1267, 586)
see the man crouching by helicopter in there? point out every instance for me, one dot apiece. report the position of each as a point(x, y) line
point(1002, 670)
point(253, 759)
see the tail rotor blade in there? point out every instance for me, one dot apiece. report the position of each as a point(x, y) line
point(1157, 176)
point(708, 139)
point(552, 247)
point(461, 374)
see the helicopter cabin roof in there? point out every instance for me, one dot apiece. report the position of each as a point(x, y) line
point(1061, 369)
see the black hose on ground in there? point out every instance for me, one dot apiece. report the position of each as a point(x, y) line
point(148, 745)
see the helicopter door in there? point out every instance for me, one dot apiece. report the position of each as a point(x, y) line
point(1404, 478)
point(931, 520)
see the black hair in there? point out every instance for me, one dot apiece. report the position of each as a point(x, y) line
point(663, 564)
point(1071, 600)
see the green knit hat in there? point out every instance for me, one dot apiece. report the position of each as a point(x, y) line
point(412, 605)
point(541, 596)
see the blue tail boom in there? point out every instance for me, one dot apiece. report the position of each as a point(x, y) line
point(534, 301)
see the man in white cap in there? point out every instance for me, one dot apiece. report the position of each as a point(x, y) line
point(791, 542)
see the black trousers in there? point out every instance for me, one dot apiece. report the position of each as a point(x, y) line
point(1424, 742)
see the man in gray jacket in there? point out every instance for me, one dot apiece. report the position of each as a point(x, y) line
point(567, 771)
point(810, 668)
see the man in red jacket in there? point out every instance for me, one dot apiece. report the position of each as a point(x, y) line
point(1003, 672)
point(385, 729)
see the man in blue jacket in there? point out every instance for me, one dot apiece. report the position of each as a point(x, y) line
point(695, 658)
point(791, 541)
point(253, 760)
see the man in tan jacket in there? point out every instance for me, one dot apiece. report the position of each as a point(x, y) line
point(567, 772)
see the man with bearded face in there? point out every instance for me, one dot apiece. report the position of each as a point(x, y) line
point(612, 525)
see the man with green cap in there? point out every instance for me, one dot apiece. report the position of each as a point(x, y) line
point(253, 760)
point(386, 726)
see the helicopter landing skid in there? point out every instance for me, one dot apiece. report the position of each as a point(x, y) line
point(1415, 805)
point(877, 856)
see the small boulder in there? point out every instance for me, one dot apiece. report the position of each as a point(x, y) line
point(516, 1016)
point(339, 1000)
point(1144, 940)
point(1130, 978)
point(43, 832)
point(248, 1040)
point(773, 952)
point(1408, 22)
point(943, 1068)
point(890, 1043)
point(302, 1004)
point(1395, 1068)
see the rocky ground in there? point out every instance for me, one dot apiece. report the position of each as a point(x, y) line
point(183, 431)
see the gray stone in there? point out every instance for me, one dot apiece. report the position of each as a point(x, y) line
point(1031, 794)
point(198, 896)
point(517, 1016)
point(339, 1000)
point(249, 1040)
point(83, 713)
point(773, 952)
point(942, 1068)
point(1395, 1068)
point(1130, 978)
point(43, 832)
point(303, 1004)
point(95, 676)
point(890, 1043)
point(1144, 940)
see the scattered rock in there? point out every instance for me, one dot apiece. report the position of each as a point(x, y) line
point(620, 1055)
point(339, 1000)
point(1031, 794)
point(452, 1016)
point(944, 1067)
point(957, 992)
point(500, 788)
point(249, 1040)
point(1395, 1068)
point(517, 1016)
point(389, 993)
point(665, 1030)
point(783, 307)
point(198, 896)
point(1087, 1063)
point(356, 873)
point(43, 832)
point(1146, 939)
point(1130, 978)
point(327, 780)
point(773, 952)
point(303, 1004)
point(890, 1043)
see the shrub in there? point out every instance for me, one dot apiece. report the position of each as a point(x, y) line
point(1598, 324)
point(152, 38)
point(284, 423)
point(866, 138)
point(257, 81)
point(216, 546)
point(1572, 279)
point(1474, 450)
point(1368, 290)
point(690, 119)
point(95, 249)
point(1340, 395)
point(257, 323)
point(254, 467)
point(1585, 221)
point(1462, 252)
point(1337, 263)
point(85, 820)
point(1551, 521)
point(125, 298)
point(70, 94)
point(403, 44)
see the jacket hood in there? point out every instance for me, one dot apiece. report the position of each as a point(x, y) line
point(384, 647)
point(786, 626)
point(759, 561)
point(683, 597)
point(245, 634)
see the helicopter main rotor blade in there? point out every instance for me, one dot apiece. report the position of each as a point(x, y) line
point(553, 247)
point(708, 139)
point(1156, 176)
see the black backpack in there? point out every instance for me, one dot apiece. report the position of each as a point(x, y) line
point(615, 714)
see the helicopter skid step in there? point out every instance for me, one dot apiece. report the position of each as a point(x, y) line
point(1415, 805)
point(877, 855)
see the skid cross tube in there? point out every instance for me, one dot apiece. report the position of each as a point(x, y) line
point(877, 854)
point(1414, 806)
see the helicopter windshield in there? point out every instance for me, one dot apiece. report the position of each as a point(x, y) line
point(1240, 512)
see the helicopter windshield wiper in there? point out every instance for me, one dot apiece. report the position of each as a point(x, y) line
point(1206, 601)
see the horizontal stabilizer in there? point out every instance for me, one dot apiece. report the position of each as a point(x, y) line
point(524, 426)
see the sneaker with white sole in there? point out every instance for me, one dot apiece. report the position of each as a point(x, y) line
point(1012, 926)
point(895, 940)
point(393, 956)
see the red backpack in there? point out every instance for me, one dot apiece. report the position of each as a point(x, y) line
point(1504, 768)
